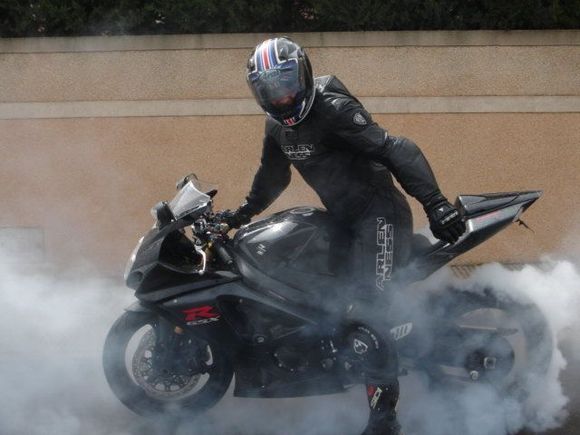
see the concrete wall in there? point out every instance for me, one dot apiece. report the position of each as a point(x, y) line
point(94, 131)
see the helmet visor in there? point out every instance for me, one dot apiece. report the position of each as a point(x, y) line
point(279, 90)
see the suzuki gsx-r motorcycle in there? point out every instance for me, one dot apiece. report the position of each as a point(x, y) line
point(268, 305)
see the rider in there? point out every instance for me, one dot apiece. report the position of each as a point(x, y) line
point(317, 126)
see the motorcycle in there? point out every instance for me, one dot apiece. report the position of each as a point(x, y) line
point(269, 304)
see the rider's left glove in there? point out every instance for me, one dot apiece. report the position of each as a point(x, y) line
point(446, 222)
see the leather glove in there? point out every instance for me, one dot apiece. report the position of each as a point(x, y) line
point(445, 220)
point(235, 219)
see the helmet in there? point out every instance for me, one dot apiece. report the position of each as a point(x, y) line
point(280, 77)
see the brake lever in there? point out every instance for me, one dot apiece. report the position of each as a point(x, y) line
point(199, 249)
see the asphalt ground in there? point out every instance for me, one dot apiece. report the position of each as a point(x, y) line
point(71, 397)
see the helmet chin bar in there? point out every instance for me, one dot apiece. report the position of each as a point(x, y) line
point(306, 106)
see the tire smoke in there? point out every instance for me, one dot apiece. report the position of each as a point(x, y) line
point(51, 333)
point(480, 410)
point(54, 324)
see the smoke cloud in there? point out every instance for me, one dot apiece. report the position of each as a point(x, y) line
point(478, 409)
point(53, 326)
point(51, 331)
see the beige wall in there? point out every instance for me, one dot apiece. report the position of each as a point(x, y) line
point(94, 131)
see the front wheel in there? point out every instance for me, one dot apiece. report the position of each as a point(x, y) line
point(136, 364)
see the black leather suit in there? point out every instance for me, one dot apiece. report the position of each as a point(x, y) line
point(348, 160)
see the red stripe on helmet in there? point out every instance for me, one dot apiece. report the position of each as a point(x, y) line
point(266, 55)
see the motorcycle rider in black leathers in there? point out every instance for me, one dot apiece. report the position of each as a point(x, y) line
point(317, 126)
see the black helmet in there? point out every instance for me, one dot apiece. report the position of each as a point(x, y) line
point(280, 76)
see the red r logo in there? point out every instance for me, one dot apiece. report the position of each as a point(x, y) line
point(204, 312)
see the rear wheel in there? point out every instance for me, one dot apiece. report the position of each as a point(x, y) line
point(194, 377)
point(492, 338)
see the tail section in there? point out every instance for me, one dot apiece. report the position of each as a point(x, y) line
point(485, 215)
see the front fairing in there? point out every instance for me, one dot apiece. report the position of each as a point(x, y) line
point(165, 255)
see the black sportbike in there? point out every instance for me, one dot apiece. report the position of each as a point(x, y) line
point(269, 304)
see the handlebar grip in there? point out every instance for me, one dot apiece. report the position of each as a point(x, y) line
point(223, 253)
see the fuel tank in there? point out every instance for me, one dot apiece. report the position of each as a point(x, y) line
point(300, 248)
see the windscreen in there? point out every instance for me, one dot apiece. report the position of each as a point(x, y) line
point(191, 197)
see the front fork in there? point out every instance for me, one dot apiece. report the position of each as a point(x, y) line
point(175, 352)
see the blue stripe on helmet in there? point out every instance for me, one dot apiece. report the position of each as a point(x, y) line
point(260, 59)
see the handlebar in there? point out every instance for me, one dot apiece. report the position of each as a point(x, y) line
point(213, 230)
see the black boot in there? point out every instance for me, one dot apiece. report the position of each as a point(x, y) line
point(383, 400)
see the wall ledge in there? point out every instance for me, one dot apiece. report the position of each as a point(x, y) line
point(247, 106)
point(309, 40)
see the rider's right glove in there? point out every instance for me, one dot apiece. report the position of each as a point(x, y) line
point(235, 219)
point(445, 220)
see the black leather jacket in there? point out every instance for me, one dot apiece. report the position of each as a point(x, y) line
point(342, 154)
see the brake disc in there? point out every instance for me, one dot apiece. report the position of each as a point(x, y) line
point(165, 385)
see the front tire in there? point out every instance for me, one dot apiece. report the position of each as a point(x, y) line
point(127, 355)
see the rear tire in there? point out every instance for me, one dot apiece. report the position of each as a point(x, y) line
point(129, 385)
point(532, 355)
